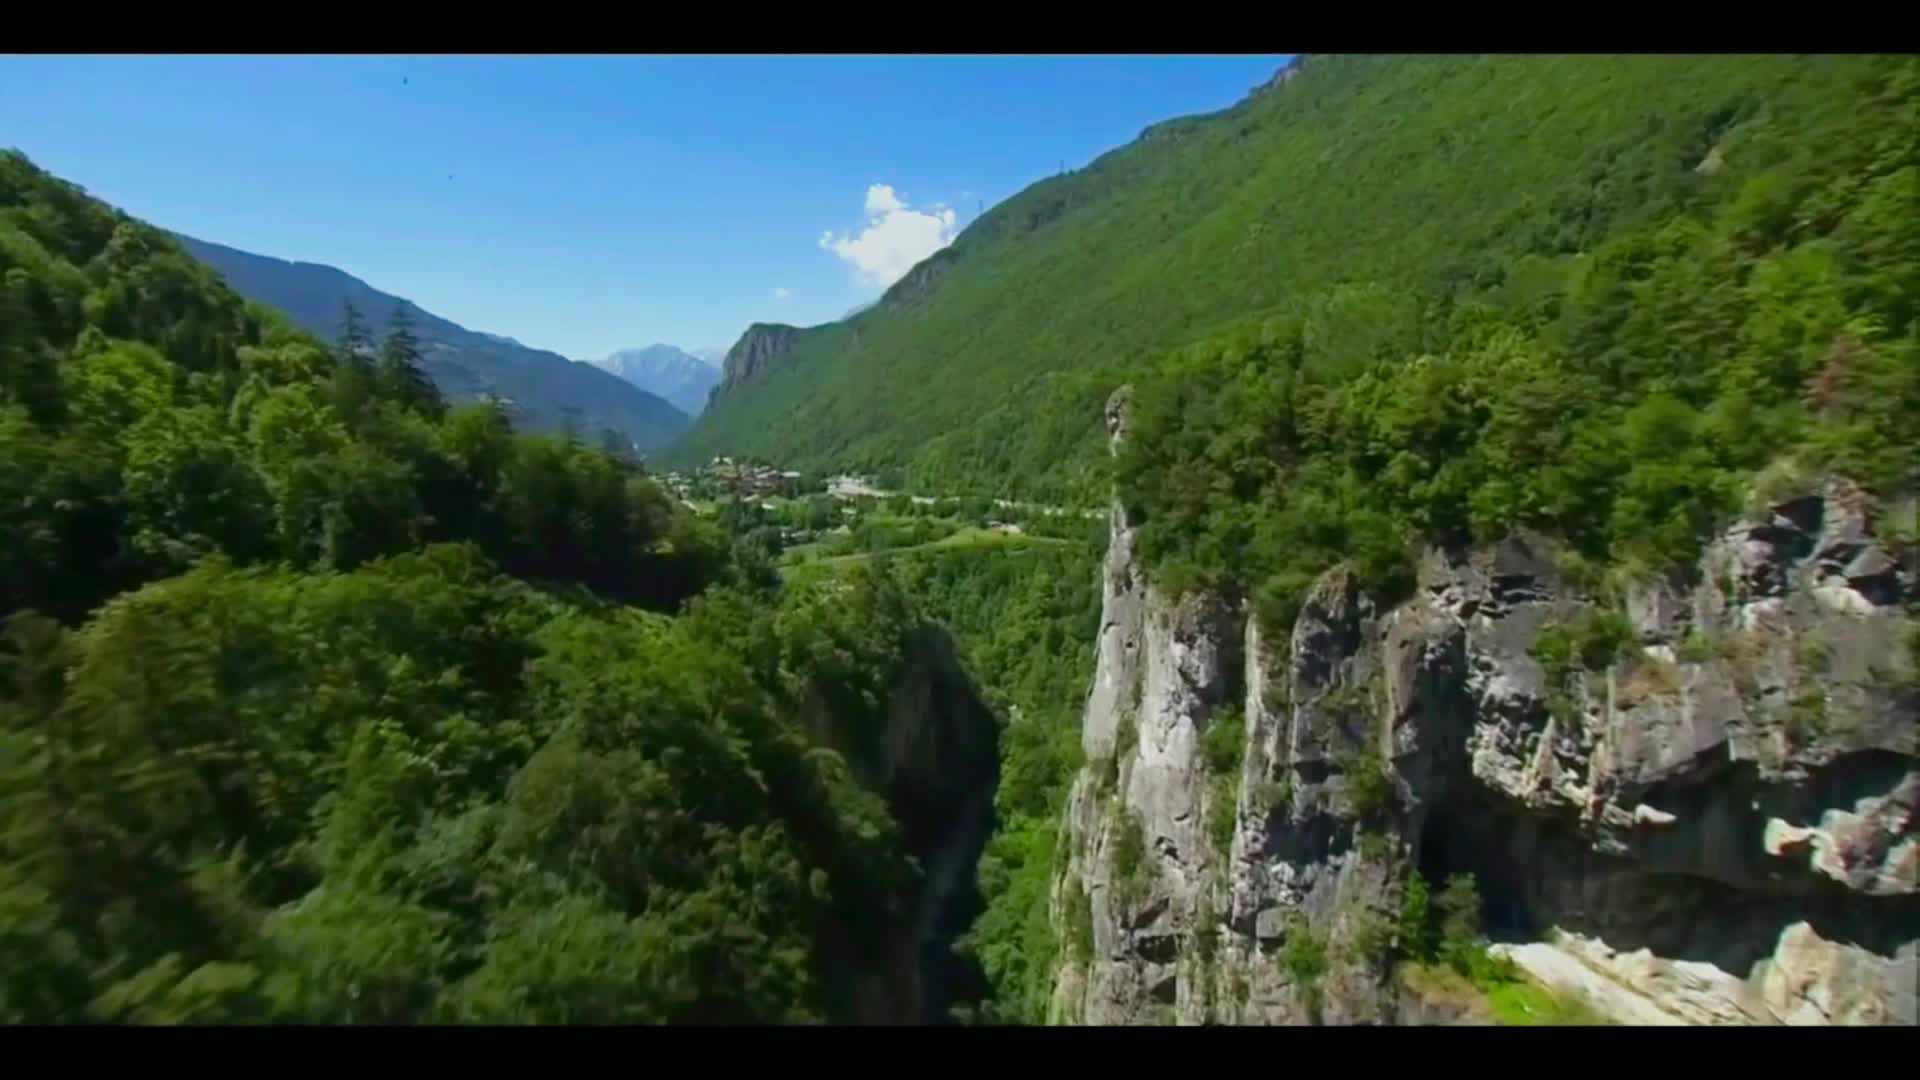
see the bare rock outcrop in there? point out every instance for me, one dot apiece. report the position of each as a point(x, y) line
point(760, 349)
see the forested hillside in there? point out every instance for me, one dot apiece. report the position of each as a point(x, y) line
point(546, 391)
point(1619, 383)
point(320, 702)
point(1368, 196)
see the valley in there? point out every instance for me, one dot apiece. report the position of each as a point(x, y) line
point(1436, 542)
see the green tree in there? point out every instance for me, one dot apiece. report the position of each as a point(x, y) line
point(402, 374)
point(1461, 943)
point(354, 343)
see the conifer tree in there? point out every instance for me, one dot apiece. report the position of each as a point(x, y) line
point(401, 373)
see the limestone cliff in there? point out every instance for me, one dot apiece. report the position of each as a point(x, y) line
point(1691, 801)
point(758, 351)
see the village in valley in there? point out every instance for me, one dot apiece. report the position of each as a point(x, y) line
point(796, 518)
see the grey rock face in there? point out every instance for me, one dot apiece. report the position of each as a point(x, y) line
point(762, 347)
point(1720, 817)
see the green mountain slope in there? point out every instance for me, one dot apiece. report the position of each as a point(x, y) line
point(1371, 190)
point(543, 388)
point(1723, 336)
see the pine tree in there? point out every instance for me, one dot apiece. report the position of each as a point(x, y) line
point(401, 374)
point(355, 343)
point(352, 385)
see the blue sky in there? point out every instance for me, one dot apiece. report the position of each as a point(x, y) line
point(585, 204)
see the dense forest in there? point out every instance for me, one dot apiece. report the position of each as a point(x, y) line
point(321, 702)
point(1381, 201)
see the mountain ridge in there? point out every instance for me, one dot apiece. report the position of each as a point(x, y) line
point(542, 387)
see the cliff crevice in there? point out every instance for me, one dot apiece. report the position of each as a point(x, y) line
point(936, 760)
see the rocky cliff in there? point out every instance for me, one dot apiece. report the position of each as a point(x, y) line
point(758, 351)
point(1692, 800)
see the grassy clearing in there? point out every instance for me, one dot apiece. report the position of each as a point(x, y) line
point(1529, 1004)
point(1508, 999)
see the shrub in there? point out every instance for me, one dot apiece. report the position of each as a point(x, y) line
point(1305, 960)
point(1080, 921)
point(1304, 956)
point(1461, 944)
point(1412, 930)
point(1224, 743)
point(1223, 811)
point(1369, 785)
point(1594, 643)
point(1129, 857)
point(1695, 648)
point(1602, 638)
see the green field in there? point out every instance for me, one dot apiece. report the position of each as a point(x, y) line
point(968, 537)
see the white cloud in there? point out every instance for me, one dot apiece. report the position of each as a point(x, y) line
point(780, 292)
point(882, 200)
point(896, 237)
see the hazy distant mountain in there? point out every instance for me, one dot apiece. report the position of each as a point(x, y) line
point(674, 374)
point(712, 354)
point(541, 387)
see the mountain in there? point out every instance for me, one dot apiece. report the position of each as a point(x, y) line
point(541, 387)
point(674, 374)
point(1383, 185)
point(711, 354)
